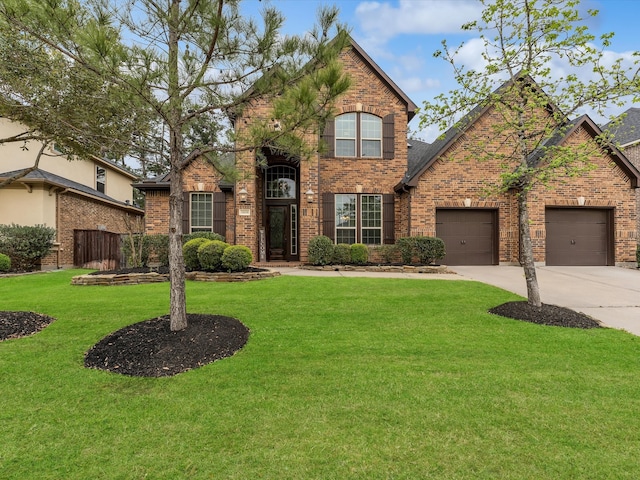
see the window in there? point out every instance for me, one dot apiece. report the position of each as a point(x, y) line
point(358, 219)
point(101, 179)
point(358, 135)
point(280, 182)
point(201, 212)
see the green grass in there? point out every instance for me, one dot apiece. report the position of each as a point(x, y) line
point(341, 378)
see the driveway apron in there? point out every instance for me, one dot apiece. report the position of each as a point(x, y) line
point(608, 294)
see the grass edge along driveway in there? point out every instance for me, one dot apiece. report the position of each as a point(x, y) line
point(341, 378)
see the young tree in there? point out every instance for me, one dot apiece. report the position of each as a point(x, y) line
point(189, 59)
point(521, 39)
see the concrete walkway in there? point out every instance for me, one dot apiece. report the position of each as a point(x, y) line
point(609, 294)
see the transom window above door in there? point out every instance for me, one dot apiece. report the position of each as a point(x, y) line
point(280, 182)
point(358, 135)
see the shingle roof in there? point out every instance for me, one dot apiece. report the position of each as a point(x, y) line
point(629, 130)
point(43, 176)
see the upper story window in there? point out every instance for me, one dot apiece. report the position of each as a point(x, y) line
point(101, 179)
point(280, 182)
point(358, 135)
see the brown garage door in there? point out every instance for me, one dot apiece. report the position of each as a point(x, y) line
point(579, 236)
point(470, 236)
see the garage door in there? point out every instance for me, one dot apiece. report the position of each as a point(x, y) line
point(470, 236)
point(578, 237)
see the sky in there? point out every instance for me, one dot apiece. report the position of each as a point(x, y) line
point(402, 35)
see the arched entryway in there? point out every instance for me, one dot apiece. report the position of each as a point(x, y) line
point(281, 196)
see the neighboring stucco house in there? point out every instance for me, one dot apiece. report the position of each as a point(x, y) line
point(91, 194)
point(374, 186)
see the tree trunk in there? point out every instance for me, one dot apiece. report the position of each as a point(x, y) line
point(526, 251)
point(178, 300)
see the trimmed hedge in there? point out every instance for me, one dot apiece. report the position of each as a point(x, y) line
point(425, 250)
point(341, 254)
point(190, 253)
point(5, 263)
point(26, 245)
point(320, 250)
point(236, 258)
point(359, 254)
point(210, 254)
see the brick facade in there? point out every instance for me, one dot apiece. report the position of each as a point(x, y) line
point(458, 175)
point(76, 212)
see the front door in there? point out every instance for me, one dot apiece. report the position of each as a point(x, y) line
point(277, 232)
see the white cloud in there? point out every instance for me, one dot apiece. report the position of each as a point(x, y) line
point(417, 84)
point(382, 20)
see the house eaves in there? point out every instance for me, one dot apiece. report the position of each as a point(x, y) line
point(445, 141)
point(57, 183)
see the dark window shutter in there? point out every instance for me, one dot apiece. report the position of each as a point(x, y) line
point(388, 217)
point(328, 215)
point(388, 136)
point(220, 214)
point(186, 209)
point(328, 137)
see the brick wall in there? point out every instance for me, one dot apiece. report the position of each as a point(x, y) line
point(82, 213)
point(459, 174)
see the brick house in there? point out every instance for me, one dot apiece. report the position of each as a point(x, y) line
point(373, 186)
point(69, 196)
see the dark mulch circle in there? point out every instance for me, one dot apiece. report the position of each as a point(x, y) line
point(22, 324)
point(151, 349)
point(547, 315)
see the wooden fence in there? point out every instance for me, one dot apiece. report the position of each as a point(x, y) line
point(96, 249)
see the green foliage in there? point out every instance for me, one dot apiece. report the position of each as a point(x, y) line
point(210, 254)
point(341, 254)
point(5, 263)
point(406, 245)
point(359, 254)
point(26, 245)
point(207, 235)
point(190, 252)
point(159, 246)
point(425, 250)
point(638, 255)
point(320, 250)
point(236, 258)
point(135, 249)
point(428, 249)
point(388, 253)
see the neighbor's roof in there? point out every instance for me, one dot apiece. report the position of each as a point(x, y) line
point(40, 176)
point(628, 131)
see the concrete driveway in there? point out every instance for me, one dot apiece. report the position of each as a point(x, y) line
point(609, 294)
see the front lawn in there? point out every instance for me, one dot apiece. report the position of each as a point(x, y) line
point(341, 378)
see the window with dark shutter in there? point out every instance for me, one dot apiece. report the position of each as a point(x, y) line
point(388, 216)
point(220, 214)
point(328, 138)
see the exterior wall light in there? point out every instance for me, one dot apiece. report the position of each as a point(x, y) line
point(309, 195)
point(242, 195)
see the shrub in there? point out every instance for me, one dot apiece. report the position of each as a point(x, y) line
point(159, 248)
point(428, 249)
point(236, 258)
point(5, 263)
point(359, 254)
point(190, 253)
point(26, 246)
point(406, 247)
point(388, 253)
point(638, 255)
point(320, 250)
point(210, 254)
point(341, 254)
point(207, 235)
point(135, 249)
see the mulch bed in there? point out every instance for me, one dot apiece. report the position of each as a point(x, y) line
point(547, 315)
point(22, 324)
point(151, 349)
point(161, 270)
